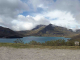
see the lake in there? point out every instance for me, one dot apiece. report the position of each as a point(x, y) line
point(30, 38)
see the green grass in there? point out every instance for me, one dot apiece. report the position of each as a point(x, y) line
point(56, 44)
point(19, 45)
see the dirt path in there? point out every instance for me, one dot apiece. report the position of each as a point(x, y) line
point(38, 54)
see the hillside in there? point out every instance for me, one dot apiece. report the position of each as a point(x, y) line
point(49, 30)
point(33, 31)
point(75, 38)
point(52, 30)
point(8, 33)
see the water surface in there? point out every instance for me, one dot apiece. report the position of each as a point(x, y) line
point(30, 38)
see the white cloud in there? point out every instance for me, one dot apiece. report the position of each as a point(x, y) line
point(61, 18)
point(39, 3)
point(20, 25)
point(64, 19)
point(38, 17)
point(28, 22)
point(71, 6)
point(1, 20)
point(62, 13)
point(42, 6)
point(11, 8)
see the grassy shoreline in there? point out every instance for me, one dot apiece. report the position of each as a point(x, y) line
point(19, 45)
point(56, 44)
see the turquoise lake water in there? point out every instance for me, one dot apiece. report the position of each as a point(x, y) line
point(30, 38)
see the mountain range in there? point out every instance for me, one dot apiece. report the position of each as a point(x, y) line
point(50, 31)
point(40, 30)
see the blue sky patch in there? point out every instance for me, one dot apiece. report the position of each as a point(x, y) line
point(25, 13)
point(50, 18)
point(54, 0)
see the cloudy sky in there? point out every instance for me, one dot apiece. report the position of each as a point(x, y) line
point(26, 14)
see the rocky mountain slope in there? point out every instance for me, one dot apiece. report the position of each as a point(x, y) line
point(8, 33)
point(49, 30)
point(75, 38)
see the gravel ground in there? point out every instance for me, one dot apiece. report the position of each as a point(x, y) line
point(7, 53)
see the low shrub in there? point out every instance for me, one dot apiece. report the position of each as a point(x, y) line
point(59, 42)
point(19, 41)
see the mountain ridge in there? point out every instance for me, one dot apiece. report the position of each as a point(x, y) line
point(50, 31)
point(8, 33)
point(40, 30)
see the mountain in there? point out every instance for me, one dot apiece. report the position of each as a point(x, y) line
point(52, 30)
point(8, 33)
point(33, 31)
point(40, 30)
point(38, 26)
point(49, 30)
point(75, 38)
point(78, 31)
